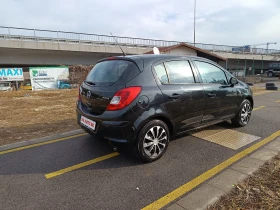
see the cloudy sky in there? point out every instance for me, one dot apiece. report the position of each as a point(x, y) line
point(231, 22)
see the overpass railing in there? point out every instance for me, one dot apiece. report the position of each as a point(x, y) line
point(38, 35)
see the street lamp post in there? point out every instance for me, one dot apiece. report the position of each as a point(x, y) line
point(194, 22)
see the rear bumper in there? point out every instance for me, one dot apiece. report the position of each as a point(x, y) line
point(112, 129)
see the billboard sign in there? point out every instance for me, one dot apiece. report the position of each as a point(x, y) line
point(11, 74)
point(245, 48)
point(49, 77)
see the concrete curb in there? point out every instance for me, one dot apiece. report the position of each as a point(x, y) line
point(40, 140)
point(210, 191)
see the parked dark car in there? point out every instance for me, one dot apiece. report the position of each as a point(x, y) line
point(145, 99)
point(273, 69)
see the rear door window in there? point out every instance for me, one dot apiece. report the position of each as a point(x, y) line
point(161, 73)
point(175, 72)
point(112, 73)
point(179, 72)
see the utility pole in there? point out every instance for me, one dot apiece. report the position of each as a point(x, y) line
point(194, 16)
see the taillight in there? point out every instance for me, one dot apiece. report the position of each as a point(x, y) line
point(123, 98)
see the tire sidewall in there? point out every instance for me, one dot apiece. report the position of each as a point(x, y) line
point(141, 136)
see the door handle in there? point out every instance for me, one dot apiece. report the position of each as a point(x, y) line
point(211, 95)
point(174, 96)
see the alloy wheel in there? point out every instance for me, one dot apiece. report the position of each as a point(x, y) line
point(155, 141)
point(246, 113)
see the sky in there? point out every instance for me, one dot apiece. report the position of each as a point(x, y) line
point(224, 22)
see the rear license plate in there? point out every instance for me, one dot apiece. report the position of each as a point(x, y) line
point(88, 123)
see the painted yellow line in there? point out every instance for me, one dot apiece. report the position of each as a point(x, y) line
point(80, 165)
point(163, 201)
point(40, 144)
point(258, 94)
point(278, 101)
point(262, 92)
point(257, 108)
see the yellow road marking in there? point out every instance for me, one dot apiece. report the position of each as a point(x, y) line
point(163, 201)
point(278, 101)
point(80, 165)
point(257, 108)
point(262, 92)
point(40, 144)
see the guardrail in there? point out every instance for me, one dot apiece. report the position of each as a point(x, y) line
point(38, 35)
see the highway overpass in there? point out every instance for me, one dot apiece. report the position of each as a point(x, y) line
point(29, 47)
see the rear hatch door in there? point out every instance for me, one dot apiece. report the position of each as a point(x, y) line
point(103, 81)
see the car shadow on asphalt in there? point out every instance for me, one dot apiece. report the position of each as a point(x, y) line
point(128, 156)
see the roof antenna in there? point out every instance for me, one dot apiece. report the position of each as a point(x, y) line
point(118, 44)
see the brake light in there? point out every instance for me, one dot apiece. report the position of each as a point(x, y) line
point(123, 98)
point(112, 58)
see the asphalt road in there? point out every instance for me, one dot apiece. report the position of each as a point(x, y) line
point(120, 182)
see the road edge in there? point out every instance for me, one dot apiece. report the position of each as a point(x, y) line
point(40, 140)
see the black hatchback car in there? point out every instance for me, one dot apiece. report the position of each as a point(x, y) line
point(145, 99)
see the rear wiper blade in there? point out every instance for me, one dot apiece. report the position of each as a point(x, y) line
point(89, 82)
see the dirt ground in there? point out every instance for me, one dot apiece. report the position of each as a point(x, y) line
point(27, 115)
point(259, 191)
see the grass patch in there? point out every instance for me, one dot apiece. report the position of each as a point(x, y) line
point(29, 114)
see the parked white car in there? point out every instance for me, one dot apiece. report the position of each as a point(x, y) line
point(5, 86)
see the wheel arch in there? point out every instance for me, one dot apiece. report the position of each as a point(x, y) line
point(163, 118)
point(167, 121)
point(250, 98)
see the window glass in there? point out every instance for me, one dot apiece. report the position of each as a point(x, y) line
point(161, 73)
point(4, 84)
point(210, 73)
point(275, 65)
point(179, 72)
point(228, 76)
point(114, 72)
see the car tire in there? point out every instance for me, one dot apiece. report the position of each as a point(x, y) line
point(243, 116)
point(270, 84)
point(271, 88)
point(270, 74)
point(153, 140)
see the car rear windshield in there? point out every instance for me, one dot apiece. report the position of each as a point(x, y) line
point(112, 73)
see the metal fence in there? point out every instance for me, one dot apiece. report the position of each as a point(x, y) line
point(38, 35)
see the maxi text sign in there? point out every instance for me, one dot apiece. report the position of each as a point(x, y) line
point(11, 74)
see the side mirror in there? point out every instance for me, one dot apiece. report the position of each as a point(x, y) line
point(233, 81)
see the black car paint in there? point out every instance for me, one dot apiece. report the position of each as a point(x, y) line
point(199, 104)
